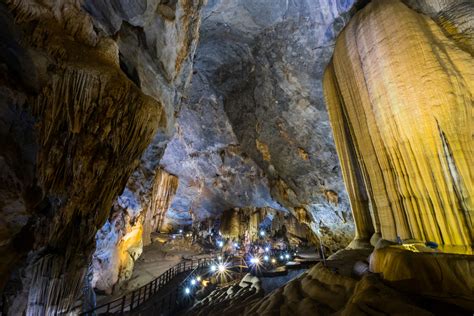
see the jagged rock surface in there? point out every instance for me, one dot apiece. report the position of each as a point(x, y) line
point(402, 125)
point(84, 112)
point(214, 173)
point(258, 72)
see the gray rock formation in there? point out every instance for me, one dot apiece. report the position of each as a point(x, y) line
point(214, 173)
point(256, 101)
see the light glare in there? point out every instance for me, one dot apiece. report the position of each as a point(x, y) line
point(221, 268)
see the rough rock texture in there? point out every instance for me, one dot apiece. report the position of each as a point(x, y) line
point(255, 121)
point(447, 277)
point(322, 291)
point(214, 173)
point(120, 241)
point(399, 100)
point(77, 113)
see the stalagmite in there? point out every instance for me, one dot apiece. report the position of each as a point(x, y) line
point(164, 189)
point(399, 94)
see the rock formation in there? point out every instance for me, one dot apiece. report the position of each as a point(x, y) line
point(116, 122)
point(258, 75)
point(235, 223)
point(334, 289)
point(88, 87)
point(399, 99)
point(135, 216)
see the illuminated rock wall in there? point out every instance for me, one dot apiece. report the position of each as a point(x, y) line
point(236, 223)
point(120, 241)
point(399, 95)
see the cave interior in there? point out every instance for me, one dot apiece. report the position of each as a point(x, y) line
point(236, 157)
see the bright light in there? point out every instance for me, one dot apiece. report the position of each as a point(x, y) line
point(267, 249)
point(220, 243)
point(294, 254)
point(174, 237)
point(236, 245)
point(219, 258)
point(213, 268)
point(287, 256)
point(193, 282)
point(187, 290)
point(221, 268)
point(274, 260)
point(265, 258)
point(180, 231)
point(255, 261)
point(262, 233)
point(281, 258)
point(198, 278)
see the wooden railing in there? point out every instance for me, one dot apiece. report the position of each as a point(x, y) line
point(131, 301)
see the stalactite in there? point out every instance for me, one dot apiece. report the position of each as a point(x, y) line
point(93, 123)
point(399, 94)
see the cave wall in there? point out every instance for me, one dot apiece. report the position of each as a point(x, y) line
point(264, 62)
point(80, 103)
point(214, 172)
point(134, 217)
point(400, 102)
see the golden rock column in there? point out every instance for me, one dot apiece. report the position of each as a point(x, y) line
point(399, 92)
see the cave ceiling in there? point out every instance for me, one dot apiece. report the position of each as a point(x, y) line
point(254, 131)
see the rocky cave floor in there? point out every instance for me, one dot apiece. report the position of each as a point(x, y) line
point(344, 284)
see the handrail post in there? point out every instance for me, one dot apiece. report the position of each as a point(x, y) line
point(122, 306)
point(132, 301)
